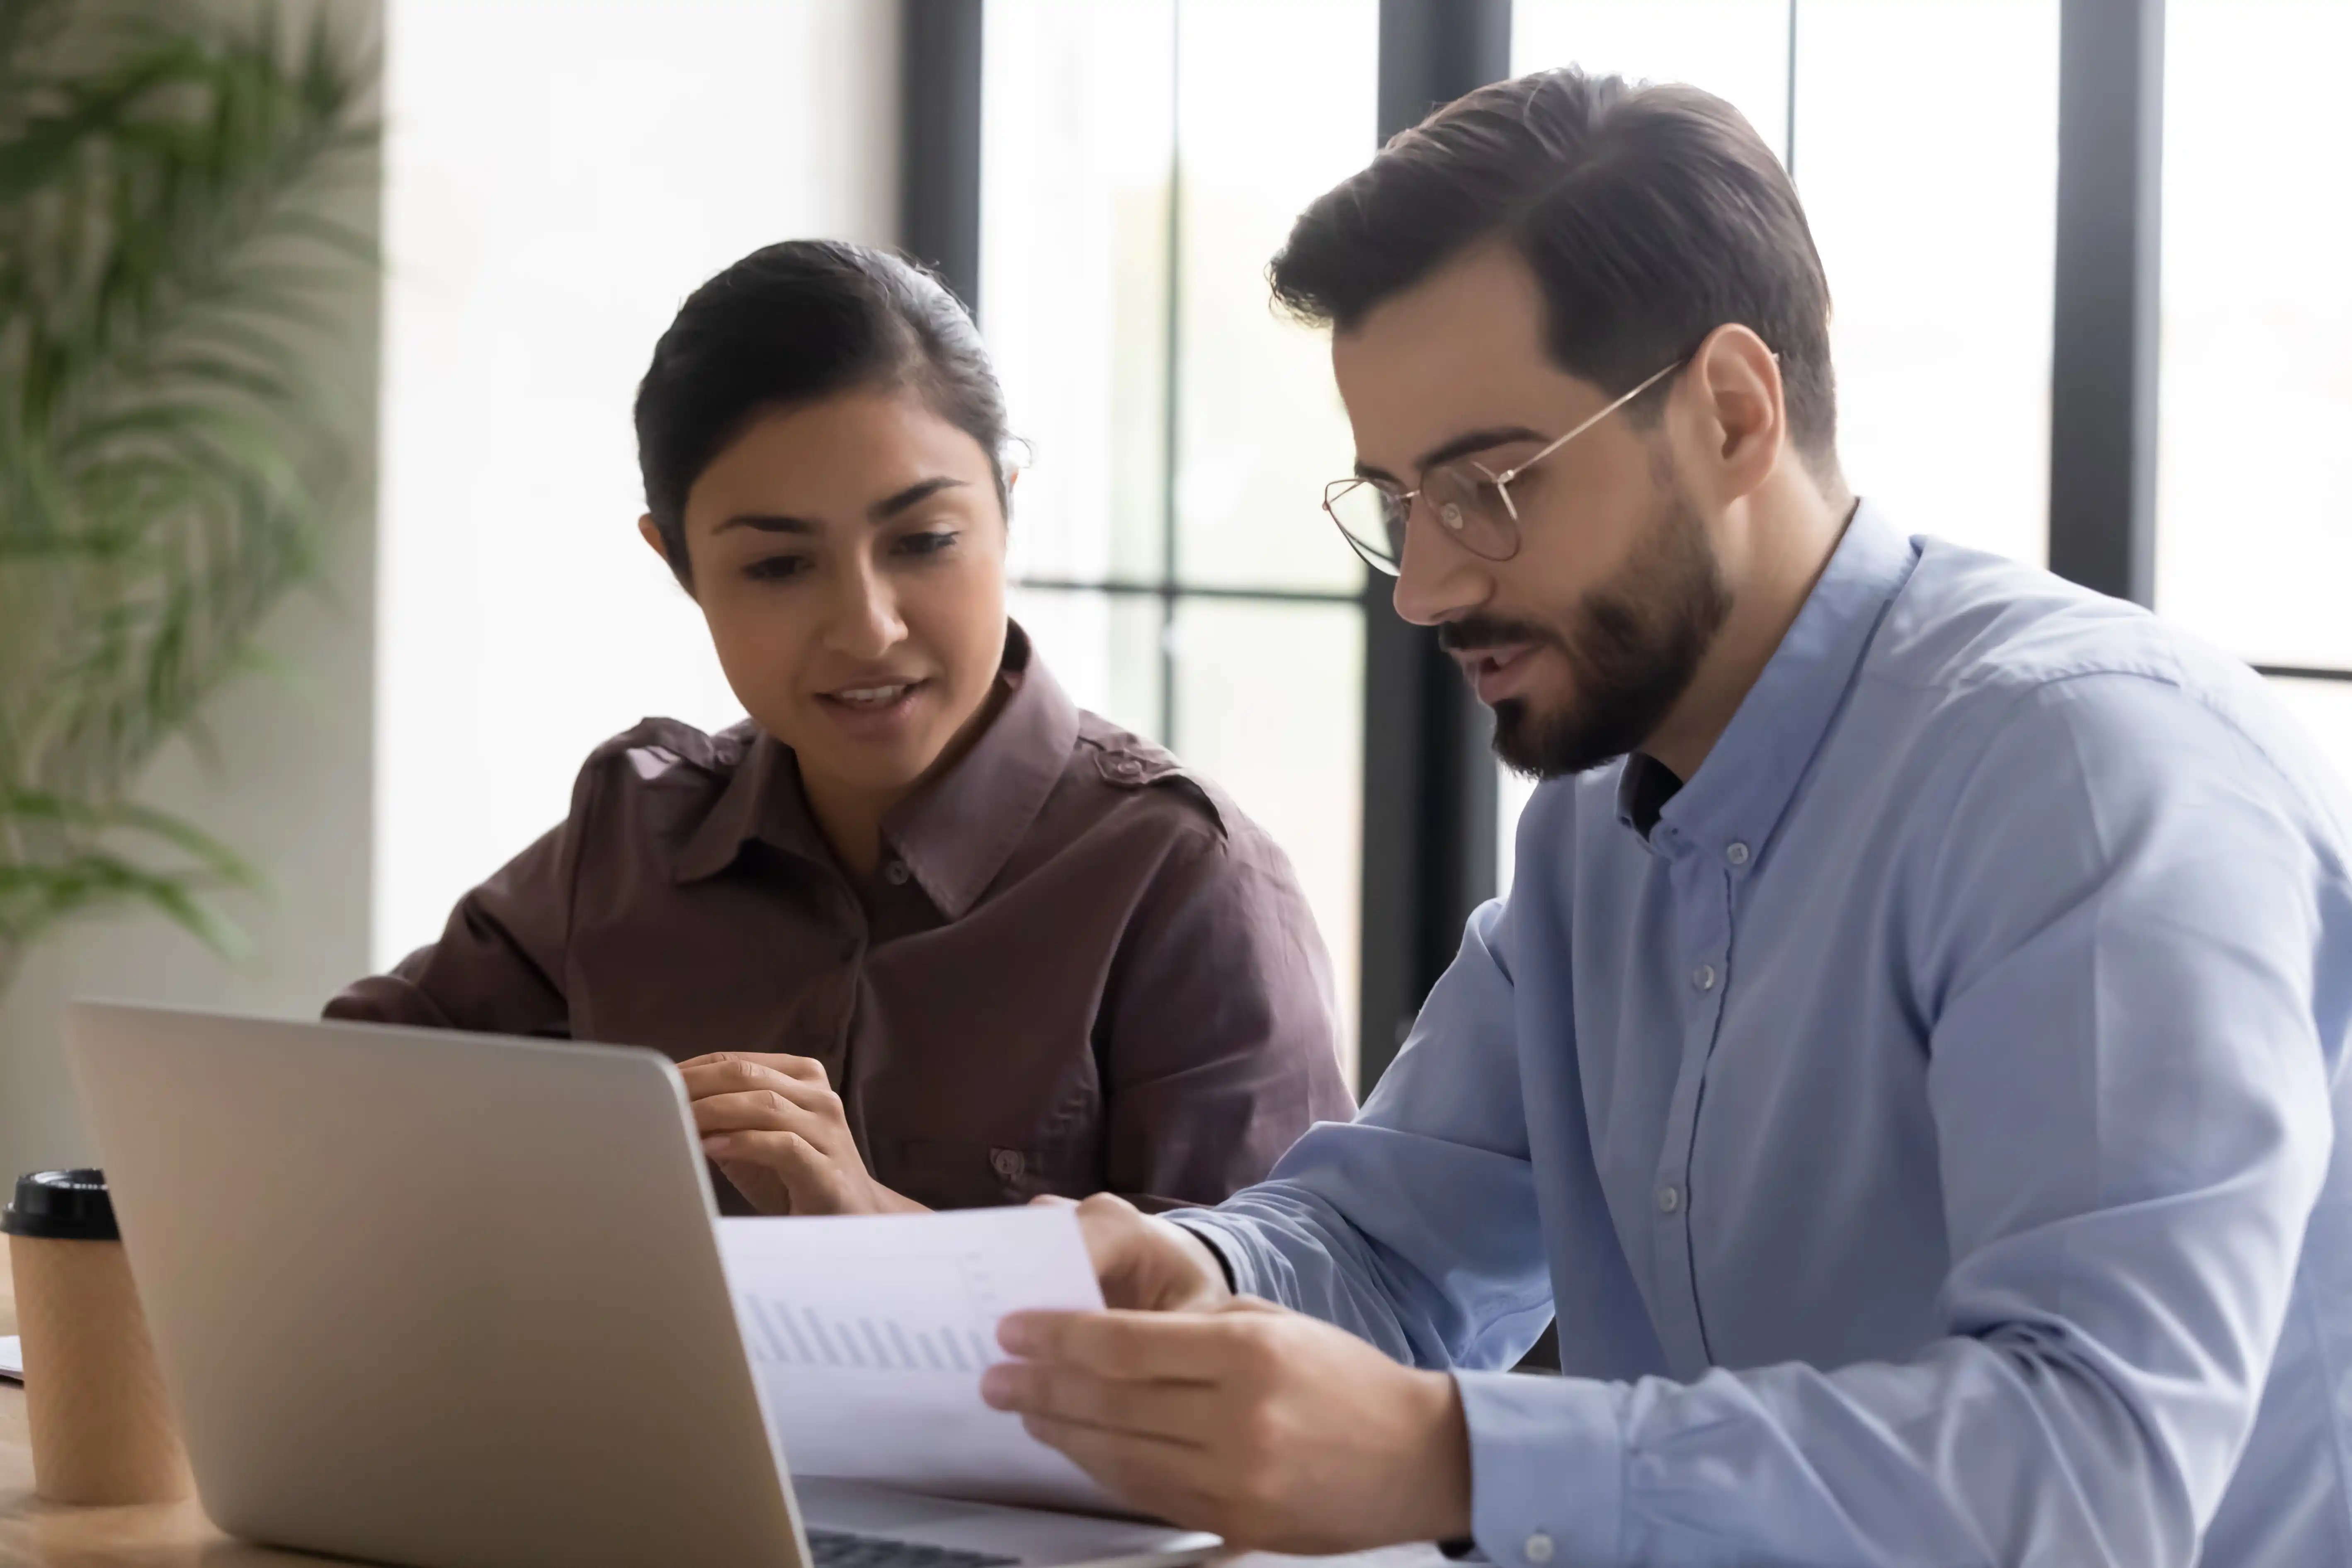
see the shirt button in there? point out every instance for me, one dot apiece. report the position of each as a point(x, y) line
point(1539, 1548)
point(1703, 977)
point(1008, 1163)
point(895, 873)
point(1670, 1200)
point(1127, 767)
point(1737, 854)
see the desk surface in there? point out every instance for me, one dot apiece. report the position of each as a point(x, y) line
point(35, 1534)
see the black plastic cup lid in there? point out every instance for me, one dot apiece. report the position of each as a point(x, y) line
point(62, 1205)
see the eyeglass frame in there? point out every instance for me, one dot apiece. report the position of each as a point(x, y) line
point(1337, 489)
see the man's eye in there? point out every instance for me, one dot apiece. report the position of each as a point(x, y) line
point(775, 568)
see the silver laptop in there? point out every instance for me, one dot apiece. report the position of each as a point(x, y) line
point(457, 1300)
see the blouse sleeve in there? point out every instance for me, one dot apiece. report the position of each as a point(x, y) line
point(1221, 1047)
point(498, 966)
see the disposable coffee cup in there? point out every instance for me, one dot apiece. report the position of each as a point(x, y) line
point(100, 1422)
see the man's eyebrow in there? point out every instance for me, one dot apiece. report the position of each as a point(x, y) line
point(888, 507)
point(1461, 445)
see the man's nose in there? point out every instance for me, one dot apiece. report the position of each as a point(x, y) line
point(1437, 579)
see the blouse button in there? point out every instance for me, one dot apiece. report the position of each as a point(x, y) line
point(895, 873)
point(1007, 1162)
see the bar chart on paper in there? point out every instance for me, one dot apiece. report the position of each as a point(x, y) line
point(867, 1336)
point(939, 1316)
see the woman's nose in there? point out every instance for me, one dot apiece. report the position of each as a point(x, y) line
point(862, 613)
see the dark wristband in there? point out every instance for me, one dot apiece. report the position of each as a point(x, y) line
point(1224, 1264)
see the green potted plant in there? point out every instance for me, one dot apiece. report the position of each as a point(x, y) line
point(168, 177)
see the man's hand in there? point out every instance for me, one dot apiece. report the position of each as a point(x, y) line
point(1146, 1263)
point(775, 1127)
point(1276, 1431)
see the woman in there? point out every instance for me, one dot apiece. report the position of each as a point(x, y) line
point(919, 932)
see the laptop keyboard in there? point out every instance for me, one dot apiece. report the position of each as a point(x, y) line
point(839, 1549)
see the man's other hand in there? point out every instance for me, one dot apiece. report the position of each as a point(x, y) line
point(1278, 1432)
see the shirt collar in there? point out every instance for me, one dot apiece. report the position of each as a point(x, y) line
point(955, 835)
point(1744, 788)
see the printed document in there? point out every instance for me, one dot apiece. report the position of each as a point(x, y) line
point(867, 1335)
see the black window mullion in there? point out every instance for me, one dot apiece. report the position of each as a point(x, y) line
point(939, 140)
point(2103, 376)
point(1429, 784)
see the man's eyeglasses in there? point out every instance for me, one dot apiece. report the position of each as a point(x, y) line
point(1471, 502)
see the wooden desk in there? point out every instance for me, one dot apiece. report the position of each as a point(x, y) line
point(35, 1534)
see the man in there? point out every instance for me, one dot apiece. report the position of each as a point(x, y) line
point(1909, 1059)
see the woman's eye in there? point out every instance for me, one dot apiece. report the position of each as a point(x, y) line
point(775, 568)
point(926, 544)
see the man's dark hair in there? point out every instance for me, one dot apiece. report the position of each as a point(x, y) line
point(1649, 214)
point(790, 324)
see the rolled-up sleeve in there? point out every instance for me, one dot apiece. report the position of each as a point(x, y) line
point(1218, 1040)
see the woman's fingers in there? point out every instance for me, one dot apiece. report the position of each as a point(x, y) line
point(811, 1181)
point(799, 1109)
point(730, 1072)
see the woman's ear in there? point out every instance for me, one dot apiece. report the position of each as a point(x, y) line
point(650, 532)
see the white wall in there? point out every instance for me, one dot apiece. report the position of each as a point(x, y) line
point(559, 177)
point(288, 786)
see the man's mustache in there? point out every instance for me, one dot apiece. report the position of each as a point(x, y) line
point(1472, 633)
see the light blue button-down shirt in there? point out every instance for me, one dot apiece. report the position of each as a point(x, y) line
point(1926, 1138)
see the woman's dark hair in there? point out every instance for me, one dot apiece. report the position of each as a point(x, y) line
point(1649, 214)
point(790, 324)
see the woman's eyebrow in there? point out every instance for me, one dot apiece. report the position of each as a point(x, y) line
point(888, 507)
point(882, 511)
point(769, 523)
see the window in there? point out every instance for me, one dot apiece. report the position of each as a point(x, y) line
point(2253, 526)
point(1173, 567)
point(1927, 156)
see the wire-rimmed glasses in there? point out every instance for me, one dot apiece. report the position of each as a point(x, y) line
point(1470, 501)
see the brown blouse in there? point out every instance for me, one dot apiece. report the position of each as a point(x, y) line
point(1080, 968)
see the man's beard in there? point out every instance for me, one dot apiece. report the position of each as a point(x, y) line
point(1632, 650)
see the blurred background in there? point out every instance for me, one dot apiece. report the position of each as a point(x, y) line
point(2123, 199)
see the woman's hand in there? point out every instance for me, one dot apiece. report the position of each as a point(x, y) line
point(775, 1127)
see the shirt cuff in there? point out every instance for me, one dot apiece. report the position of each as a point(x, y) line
point(1200, 1225)
point(1546, 1468)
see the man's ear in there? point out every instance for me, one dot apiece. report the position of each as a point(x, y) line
point(650, 532)
point(1743, 404)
